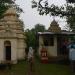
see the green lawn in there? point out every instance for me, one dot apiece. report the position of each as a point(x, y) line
point(40, 69)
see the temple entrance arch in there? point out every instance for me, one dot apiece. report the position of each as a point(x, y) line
point(7, 45)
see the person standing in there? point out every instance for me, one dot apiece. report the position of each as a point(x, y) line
point(30, 54)
point(30, 60)
point(72, 56)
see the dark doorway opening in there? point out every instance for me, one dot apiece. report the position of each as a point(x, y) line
point(62, 49)
point(7, 50)
point(62, 44)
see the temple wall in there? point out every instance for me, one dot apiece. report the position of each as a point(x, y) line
point(13, 50)
point(1, 50)
point(11, 29)
point(21, 49)
point(52, 50)
point(40, 44)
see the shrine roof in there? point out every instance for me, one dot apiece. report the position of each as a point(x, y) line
point(54, 33)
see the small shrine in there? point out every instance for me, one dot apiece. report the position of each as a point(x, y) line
point(55, 41)
point(12, 38)
point(54, 27)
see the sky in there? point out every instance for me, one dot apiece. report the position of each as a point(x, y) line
point(31, 16)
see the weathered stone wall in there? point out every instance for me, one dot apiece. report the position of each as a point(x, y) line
point(11, 29)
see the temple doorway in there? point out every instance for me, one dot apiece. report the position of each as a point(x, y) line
point(7, 45)
point(62, 43)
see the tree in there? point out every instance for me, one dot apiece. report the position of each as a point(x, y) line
point(39, 28)
point(57, 11)
point(31, 35)
point(70, 1)
point(5, 4)
point(52, 9)
point(71, 18)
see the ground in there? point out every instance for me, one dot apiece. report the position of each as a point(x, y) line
point(40, 69)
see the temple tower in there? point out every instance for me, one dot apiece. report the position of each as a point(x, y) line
point(12, 39)
point(54, 27)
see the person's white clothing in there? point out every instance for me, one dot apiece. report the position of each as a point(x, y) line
point(30, 53)
point(72, 54)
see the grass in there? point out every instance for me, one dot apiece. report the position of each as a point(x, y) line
point(40, 69)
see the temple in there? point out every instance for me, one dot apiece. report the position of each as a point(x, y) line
point(12, 39)
point(55, 41)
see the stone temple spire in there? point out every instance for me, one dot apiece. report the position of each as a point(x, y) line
point(11, 21)
point(10, 15)
point(10, 11)
point(54, 27)
point(12, 31)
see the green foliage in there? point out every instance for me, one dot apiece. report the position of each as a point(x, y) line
point(70, 1)
point(2, 10)
point(5, 4)
point(68, 10)
point(6, 1)
point(52, 9)
point(71, 18)
point(31, 35)
point(30, 38)
point(39, 28)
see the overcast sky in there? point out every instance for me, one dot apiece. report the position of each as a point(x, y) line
point(31, 17)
